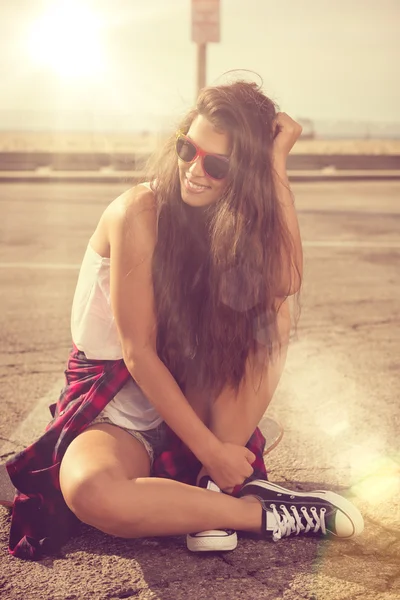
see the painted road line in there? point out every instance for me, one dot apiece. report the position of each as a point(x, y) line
point(349, 244)
point(34, 424)
point(49, 266)
point(352, 244)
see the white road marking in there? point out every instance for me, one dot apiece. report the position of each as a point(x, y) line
point(34, 424)
point(26, 265)
point(350, 244)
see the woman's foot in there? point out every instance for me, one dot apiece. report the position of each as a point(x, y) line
point(288, 512)
point(212, 540)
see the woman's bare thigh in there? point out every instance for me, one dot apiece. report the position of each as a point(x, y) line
point(98, 456)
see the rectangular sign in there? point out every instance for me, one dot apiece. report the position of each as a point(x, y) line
point(205, 21)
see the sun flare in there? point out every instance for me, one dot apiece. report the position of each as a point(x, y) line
point(67, 40)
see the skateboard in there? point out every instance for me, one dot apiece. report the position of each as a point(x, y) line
point(7, 490)
point(271, 429)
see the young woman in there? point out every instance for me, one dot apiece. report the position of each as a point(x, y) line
point(183, 297)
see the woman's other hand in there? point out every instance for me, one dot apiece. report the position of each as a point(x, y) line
point(286, 133)
point(230, 466)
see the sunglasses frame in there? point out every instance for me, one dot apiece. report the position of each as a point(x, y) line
point(200, 153)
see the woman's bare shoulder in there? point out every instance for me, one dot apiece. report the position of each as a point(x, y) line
point(132, 201)
point(123, 212)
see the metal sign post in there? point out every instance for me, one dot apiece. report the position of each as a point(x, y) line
point(205, 29)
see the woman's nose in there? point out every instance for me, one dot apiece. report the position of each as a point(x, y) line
point(196, 168)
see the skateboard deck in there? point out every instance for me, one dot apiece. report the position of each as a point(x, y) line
point(7, 490)
point(271, 429)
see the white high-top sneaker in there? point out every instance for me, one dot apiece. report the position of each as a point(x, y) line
point(212, 540)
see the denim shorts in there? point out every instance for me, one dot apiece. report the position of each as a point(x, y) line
point(153, 440)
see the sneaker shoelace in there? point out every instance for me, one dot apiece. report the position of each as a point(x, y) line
point(288, 524)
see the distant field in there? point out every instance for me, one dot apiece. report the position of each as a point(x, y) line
point(72, 142)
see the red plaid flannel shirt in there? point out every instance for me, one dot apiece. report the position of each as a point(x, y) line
point(41, 521)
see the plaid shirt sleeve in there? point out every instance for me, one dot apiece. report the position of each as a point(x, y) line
point(178, 462)
point(41, 522)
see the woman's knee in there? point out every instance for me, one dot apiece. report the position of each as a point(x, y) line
point(87, 494)
point(95, 465)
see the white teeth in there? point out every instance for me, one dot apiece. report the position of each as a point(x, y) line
point(195, 186)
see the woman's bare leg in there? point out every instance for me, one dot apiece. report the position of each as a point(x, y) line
point(234, 417)
point(105, 481)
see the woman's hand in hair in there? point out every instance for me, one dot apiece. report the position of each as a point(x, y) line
point(230, 466)
point(286, 133)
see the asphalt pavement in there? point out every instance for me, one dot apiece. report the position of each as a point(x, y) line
point(337, 399)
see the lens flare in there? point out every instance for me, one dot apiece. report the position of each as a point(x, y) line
point(67, 40)
point(332, 418)
point(378, 478)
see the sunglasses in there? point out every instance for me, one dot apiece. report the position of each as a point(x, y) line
point(214, 166)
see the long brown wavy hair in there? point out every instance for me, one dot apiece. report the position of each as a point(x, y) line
point(216, 269)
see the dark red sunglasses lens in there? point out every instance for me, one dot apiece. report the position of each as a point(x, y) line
point(185, 150)
point(216, 167)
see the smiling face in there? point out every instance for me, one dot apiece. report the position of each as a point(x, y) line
point(197, 188)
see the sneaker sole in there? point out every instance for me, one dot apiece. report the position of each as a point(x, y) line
point(211, 544)
point(339, 501)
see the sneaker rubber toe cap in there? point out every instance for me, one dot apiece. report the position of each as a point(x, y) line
point(348, 527)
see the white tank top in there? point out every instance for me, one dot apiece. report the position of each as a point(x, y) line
point(95, 333)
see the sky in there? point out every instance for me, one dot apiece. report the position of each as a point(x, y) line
point(133, 61)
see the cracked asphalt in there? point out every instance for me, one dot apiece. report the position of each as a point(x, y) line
point(337, 399)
